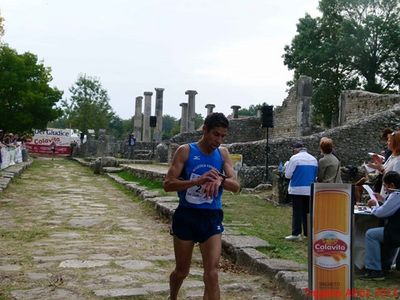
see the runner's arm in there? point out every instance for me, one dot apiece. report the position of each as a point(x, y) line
point(230, 183)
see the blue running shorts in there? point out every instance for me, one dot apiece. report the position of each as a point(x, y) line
point(197, 225)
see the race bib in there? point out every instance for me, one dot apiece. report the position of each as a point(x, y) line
point(195, 194)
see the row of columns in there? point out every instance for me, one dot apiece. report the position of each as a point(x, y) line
point(141, 122)
point(137, 119)
point(188, 112)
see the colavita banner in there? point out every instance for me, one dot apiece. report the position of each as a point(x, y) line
point(237, 161)
point(330, 244)
point(42, 139)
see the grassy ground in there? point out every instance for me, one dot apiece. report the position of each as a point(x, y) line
point(272, 223)
point(150, 184)
point(252, 215)
point(257, 217)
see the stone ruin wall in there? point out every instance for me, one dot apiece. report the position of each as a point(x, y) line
point(356, 104)
point(285, 117)
point(240, 130)
point(359, 134)
point(352, 141)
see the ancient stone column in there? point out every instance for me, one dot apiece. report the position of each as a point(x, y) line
point(137, 119)
point(235, 109)
point(146, 117)
point(184, 117)
point(304, 108)
point(191, 109)
point(159, 112)
point(210, 108)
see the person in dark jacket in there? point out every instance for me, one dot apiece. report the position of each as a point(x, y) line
point(389, 235)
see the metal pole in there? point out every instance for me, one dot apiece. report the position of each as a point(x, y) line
point(266, 157)
point(152, 141)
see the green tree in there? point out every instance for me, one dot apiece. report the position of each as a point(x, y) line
point(88, 107)
point(354, 44)
point(60, 122)
point(251, 111)
point(120, 128)
point(198, 121)
point(169, 123)
point(26, 100)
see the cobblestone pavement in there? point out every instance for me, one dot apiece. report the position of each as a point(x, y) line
point(68, 234)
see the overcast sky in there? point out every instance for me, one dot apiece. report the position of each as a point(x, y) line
point(228, 50)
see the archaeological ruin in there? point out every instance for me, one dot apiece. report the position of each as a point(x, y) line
point(362, 117)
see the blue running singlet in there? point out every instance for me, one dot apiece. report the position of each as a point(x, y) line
point(197, 164)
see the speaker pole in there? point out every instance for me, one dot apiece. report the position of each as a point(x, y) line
point(153, 124)
point(266, 157)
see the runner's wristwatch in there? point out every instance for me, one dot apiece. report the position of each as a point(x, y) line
point(223, 178)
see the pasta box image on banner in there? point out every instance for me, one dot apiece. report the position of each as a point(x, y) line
point(330, 244)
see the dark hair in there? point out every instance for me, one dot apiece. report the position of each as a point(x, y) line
point(392, 177)
point(386, 132)
point(216, 120)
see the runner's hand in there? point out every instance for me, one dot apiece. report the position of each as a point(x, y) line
point(209, 176)
point(211, 188)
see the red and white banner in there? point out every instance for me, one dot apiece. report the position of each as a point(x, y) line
point(42, 139)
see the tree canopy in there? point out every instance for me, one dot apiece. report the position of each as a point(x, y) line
point(26, 100)
point(88, 106)
point(170, 127)
point(251, 111)
point(354, 44)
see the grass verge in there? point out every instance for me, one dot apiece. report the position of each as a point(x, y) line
point(147, 183)
point(250, 215)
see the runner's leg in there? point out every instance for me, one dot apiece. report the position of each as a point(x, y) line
point(211, 253)
point(183, 256)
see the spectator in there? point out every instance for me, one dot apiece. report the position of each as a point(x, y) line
point(53, 149)
point(329, 164)
point(388, 235)
point(24, 151)
point(302, 172)
point(82, 137)
point(386, 152)
point(393, 162)
point(131, 145)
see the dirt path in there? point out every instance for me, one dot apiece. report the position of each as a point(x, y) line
point(68, 234)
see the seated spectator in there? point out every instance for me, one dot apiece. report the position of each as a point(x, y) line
point(393, 162)
point(328, 164)
point(386, 152)
point(389, 235)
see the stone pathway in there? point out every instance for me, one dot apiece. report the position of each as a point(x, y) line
point(68, 234)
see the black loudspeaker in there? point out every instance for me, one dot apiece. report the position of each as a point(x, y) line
point(267, 114)
point(153, 121)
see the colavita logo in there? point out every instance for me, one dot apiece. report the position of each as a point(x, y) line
point(327, 247)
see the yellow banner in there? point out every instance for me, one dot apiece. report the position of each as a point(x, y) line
point(330, 241)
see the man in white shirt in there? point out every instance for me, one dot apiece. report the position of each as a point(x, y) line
point(302, 171)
